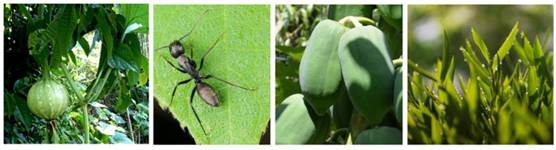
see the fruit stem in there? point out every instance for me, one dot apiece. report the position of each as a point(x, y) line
point(356, 21)
point(46, 71)
point(55, 138)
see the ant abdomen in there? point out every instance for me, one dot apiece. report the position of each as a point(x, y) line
point(208, 94)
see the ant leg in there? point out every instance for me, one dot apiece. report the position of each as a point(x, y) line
point(191, 52)
point(175, 67)
point(230, 83)
point(176, 87)
point(195, 112)
point(209, 50)
point(194, 26)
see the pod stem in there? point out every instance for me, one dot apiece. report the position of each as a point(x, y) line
point(397, 62)
point(356, 21)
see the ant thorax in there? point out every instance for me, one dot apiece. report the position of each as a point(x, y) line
point(187, 64)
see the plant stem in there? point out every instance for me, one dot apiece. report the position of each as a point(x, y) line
point(414, 66)
point(129, 126)
point(85, 123)
point(83, 104)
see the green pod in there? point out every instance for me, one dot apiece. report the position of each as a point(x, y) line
point(367, 71)
point(319, 70)
point(380, 135)
point(296, 123)
point(398, 94)
point(341, 112)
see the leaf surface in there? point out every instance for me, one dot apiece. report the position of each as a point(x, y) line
point(241, 57)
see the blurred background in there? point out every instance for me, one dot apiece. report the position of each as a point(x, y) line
point(492, 22)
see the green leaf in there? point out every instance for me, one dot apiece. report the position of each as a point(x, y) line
point(241, 57)
point(136, 13)
point(445, 55)
point(85, 45)
point(22, 113)
point(130, 29)
point(123, 58)
point(124, 97)
point(120, 138)
point(521, 53)
point(533, 81)
point(106, 36)
point(37, 43)
point(392, 14)
point(436, 130)
point(505, 48)
point(61, 31)
point(481, 45)
point(9, 104)
point(539, 52)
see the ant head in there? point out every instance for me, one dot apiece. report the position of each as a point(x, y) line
point(176, 49)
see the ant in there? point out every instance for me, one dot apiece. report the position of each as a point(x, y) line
point(188, 66)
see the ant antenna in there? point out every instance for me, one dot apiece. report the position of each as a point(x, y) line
point(195, 25)
point(162, 47)
point(187, 34)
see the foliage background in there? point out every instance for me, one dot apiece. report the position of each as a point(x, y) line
point(241, 57)
point(21, 71)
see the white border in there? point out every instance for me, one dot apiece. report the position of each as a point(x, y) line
point(272, 73)
point(151, 74)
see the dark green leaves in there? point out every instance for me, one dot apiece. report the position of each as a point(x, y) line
point(59, 31)
point(124, 58)
point(392, 14)
point(58, 34)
